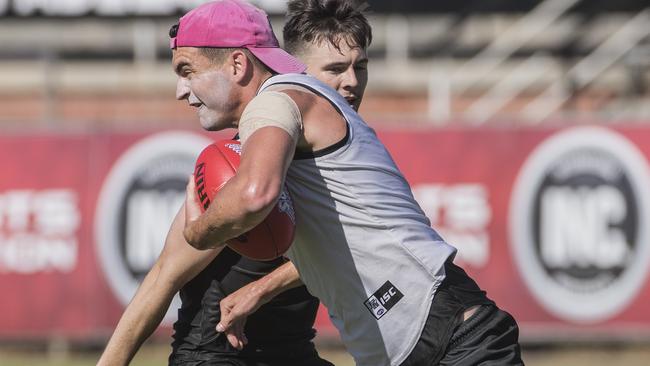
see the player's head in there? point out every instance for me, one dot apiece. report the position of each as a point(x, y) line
point(222, 51)
point(331, 38)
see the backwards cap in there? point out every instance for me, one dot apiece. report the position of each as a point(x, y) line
point(234, 24)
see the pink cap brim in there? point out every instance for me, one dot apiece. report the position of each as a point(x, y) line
point(278, 60)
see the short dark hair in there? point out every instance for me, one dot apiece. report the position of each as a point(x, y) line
point(315, 21)
point(218, 56)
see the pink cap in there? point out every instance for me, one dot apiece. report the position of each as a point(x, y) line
point(234, 23)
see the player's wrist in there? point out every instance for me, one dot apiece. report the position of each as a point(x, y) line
point(262, 289)
point(275, 283)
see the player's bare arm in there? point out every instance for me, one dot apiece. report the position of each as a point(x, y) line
point(240, 304)
point(176, 265)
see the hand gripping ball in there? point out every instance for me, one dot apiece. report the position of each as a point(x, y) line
point(216, 164)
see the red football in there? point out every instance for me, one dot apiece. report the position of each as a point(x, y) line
point(216, 164)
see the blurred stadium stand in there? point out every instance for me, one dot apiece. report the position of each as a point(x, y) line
point(468, 62)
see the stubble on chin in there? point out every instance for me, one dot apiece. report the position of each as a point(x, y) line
point(208, 119)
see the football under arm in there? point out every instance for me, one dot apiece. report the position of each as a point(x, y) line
point(247, 198)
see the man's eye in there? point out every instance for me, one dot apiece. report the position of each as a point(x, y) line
point(336, 70)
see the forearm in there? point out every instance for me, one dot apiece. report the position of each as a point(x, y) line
point(281, 279)
point(231, 214)
point(245, 301)
point(141, 317)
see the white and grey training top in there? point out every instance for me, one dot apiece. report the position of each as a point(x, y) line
point(363, 245)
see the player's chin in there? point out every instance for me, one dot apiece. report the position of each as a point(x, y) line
point(210, 122)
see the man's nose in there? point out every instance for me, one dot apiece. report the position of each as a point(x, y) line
point(182, 88)
point(350, 80)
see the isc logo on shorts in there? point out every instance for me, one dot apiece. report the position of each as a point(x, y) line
point(578, 223)
point(383, 300)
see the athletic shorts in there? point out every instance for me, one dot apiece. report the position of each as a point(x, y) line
point(303, 357)
point(489, 337)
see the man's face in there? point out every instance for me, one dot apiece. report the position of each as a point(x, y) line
point(206, 86)
point(344, 69)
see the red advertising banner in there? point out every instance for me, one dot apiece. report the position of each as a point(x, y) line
point(82, 219)
point(549, 221)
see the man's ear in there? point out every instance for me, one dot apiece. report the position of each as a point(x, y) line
point(240, 65)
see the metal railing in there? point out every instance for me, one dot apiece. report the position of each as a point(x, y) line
point(445, 85)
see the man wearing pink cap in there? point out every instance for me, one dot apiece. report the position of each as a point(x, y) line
point(363, 245)
point(280, 333)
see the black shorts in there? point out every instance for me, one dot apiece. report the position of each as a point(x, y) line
point(237, 361)
point(306, 356)
point(489, 337)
